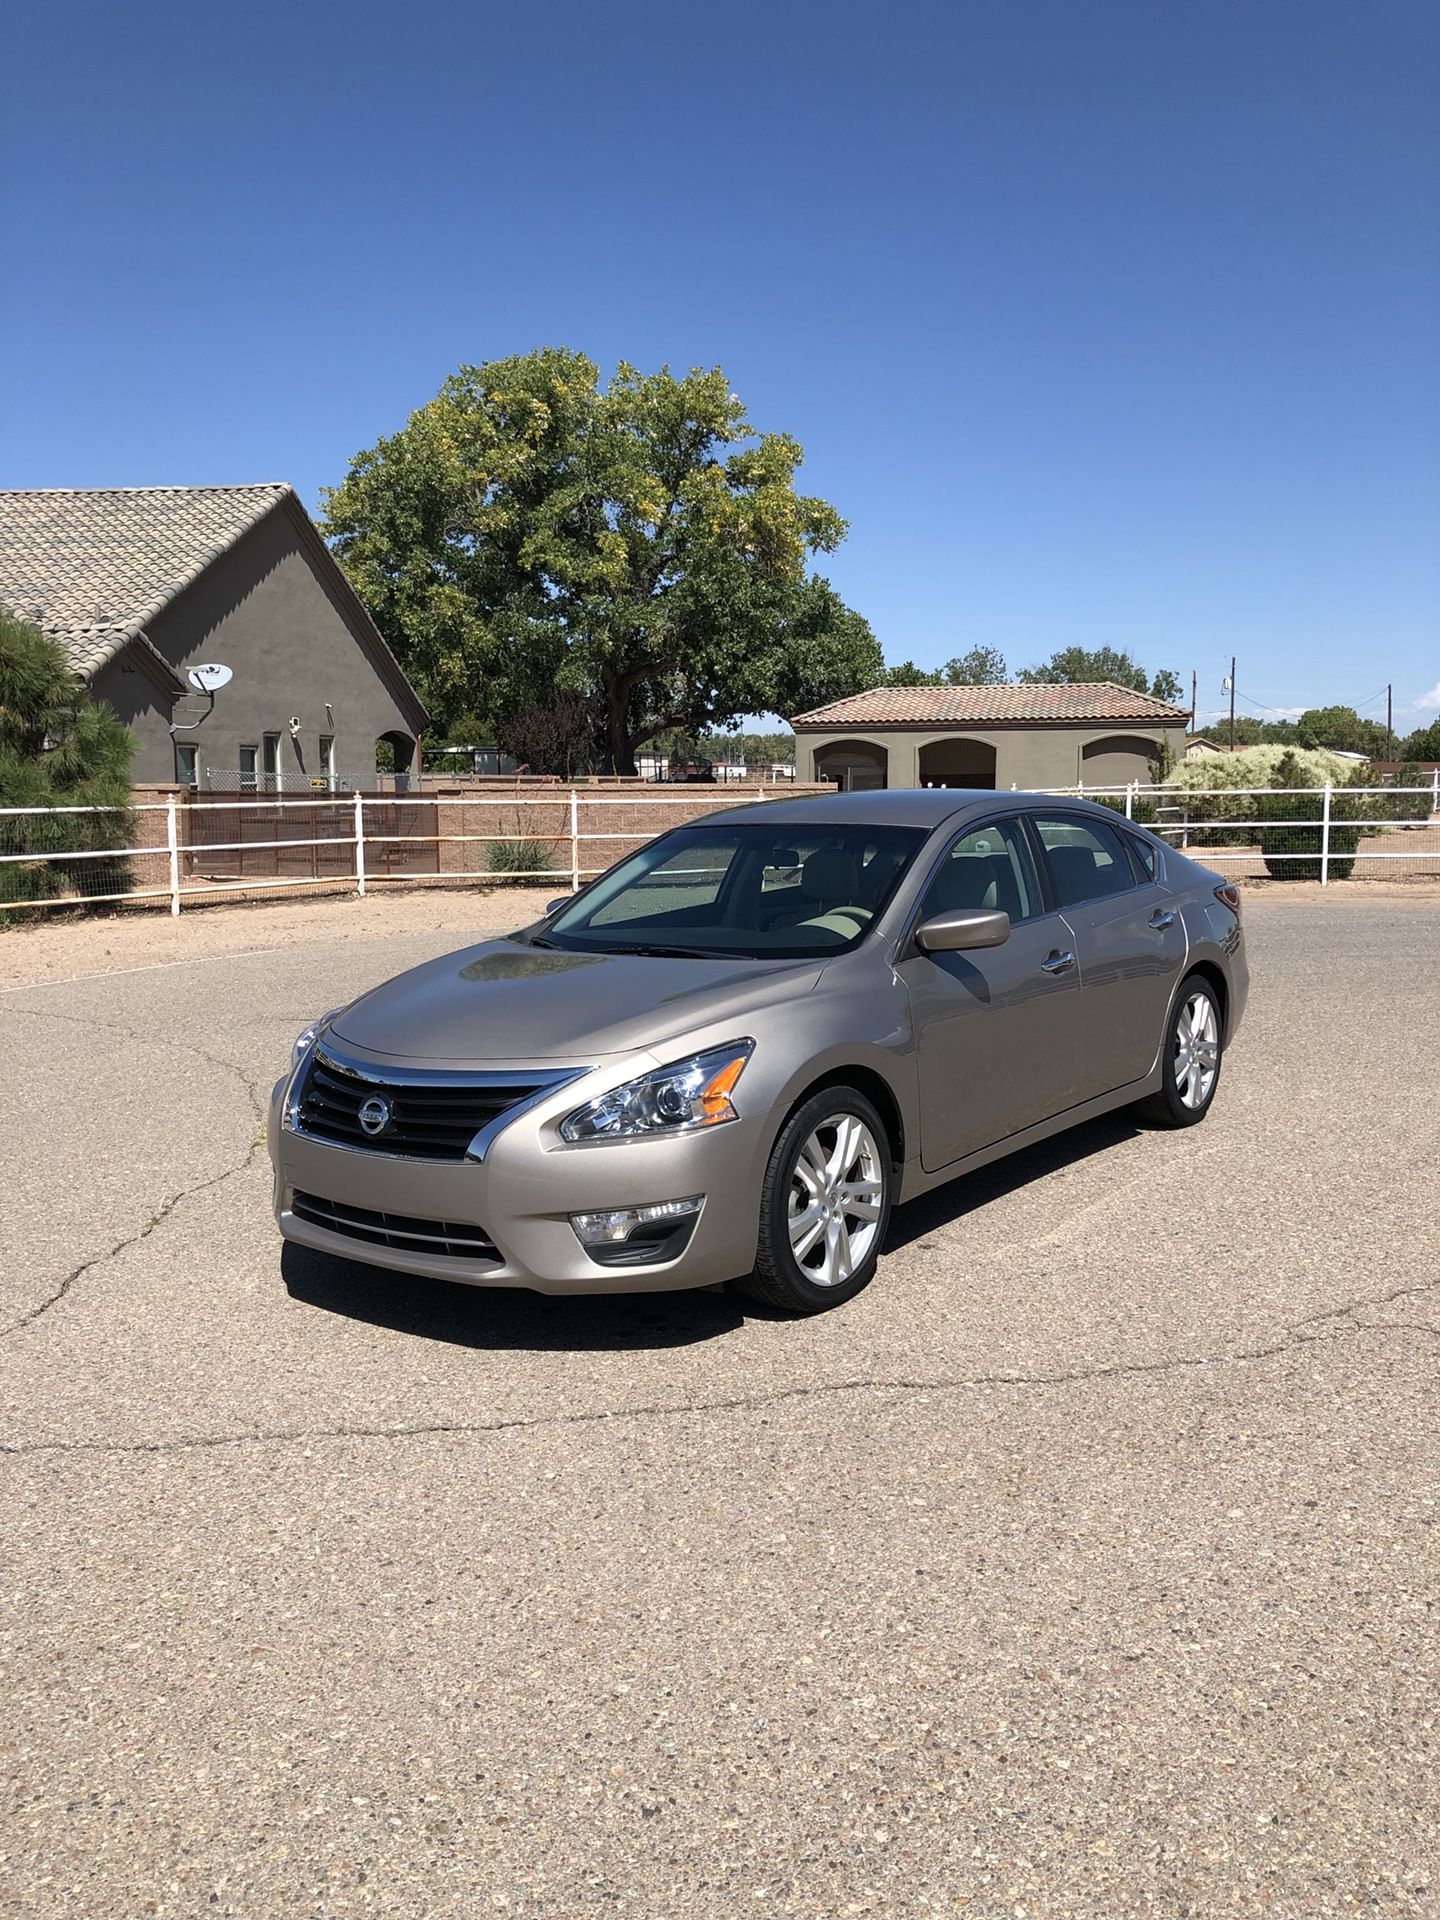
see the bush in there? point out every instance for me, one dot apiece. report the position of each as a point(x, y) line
point(1142, 812)
point(526, 857)
point(1256, 767)
point(1279, 840)
point(1397, 804)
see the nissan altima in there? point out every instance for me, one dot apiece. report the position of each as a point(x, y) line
point(728, 1058)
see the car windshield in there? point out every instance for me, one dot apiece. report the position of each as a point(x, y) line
point(754, 890)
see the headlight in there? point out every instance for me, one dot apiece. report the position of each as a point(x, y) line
point(305, 1041)
point(689, 1093)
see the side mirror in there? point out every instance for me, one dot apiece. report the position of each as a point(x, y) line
point(963, 928)
point(554, 906)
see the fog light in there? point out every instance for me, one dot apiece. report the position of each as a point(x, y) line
point(614, 1227)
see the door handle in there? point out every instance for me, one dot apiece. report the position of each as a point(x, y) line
point(1058, 963)
point(1161, 918)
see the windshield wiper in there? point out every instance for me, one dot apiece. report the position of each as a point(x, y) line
point(666, 953)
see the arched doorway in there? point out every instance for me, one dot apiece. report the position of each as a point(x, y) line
point(856, 766)
point(395, 753)
point(1117, 760)
point(957, 763)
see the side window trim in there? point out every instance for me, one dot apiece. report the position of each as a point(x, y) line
point(1136, 847)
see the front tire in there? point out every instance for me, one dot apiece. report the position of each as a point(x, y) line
point(1192, 1056)
point(824, 1205)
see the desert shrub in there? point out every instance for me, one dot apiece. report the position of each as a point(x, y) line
point(520, 856)
point(1278, 840)
point(1395, 803)
point(1255, 767)
point(1142, 812)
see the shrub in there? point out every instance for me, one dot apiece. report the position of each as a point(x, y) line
point(1256, 767)
point(526, 857)
point(1397, 804)
point(1278, 840)
point(1142, 812)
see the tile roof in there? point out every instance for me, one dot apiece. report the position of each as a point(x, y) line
point(1025, 704)
point(91, 566)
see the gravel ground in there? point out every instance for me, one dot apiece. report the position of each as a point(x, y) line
point(1085, 1565)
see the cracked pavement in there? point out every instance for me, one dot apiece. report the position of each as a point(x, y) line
point(1085, 1565)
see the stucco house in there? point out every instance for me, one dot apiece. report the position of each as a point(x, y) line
point(141, 584)
point(1022, 736)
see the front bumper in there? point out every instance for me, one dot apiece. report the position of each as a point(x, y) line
point(521, 1195)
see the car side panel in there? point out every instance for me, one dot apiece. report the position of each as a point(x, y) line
point(1132, 948)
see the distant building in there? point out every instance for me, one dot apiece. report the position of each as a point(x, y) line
point(1024, 736)
point(141, 584)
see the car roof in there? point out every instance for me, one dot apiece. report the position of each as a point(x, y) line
point(928, 807)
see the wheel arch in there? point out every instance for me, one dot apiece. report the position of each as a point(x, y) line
point(876, 1089)
point(1213, 976)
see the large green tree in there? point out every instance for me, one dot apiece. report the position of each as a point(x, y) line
point(1343, 730)
point(1423, 744)
point(1104, 663)
point(637, 543)
point(980, 667)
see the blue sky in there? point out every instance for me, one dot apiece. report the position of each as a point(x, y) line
point(1112, 322)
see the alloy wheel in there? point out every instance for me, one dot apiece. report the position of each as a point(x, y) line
point(836, 1200)
point(1197, 1051)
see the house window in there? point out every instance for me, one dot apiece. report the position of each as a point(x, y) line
point(247, 769)
point(270, 762)
point(327, 759)
point(187, 758)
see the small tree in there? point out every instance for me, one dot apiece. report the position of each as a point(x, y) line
point(58, 748)
point(557, 737)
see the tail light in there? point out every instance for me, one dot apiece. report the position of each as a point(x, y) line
point(1229, 896)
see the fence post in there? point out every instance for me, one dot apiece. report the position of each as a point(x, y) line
point(574, 841)
point(1325, 839)
point(1130, 800)
point(1435, 791)
point(359, 843)
point(172, 842)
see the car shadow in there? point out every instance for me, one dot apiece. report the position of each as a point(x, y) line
point(972, 1191)
point(502, 1318)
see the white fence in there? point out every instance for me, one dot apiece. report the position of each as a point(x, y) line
point(180, 849)
point(169, 851)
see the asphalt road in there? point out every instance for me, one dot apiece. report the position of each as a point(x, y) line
point(1085, 1565)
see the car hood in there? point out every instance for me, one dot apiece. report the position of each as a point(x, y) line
point(508, 1002)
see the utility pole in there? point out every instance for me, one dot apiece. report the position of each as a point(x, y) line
point(1232, 703)
point(1194, 683)
point(1389, 726)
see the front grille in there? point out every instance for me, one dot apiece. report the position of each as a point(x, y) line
point(429, 1119)
point(399, 1230)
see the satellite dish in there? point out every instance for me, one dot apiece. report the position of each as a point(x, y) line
point(209, 678)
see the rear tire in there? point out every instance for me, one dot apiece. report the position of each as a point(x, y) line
point(1191, 1058)
point(824, 1205)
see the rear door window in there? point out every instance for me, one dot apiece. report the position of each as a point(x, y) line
point(1086, 859)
